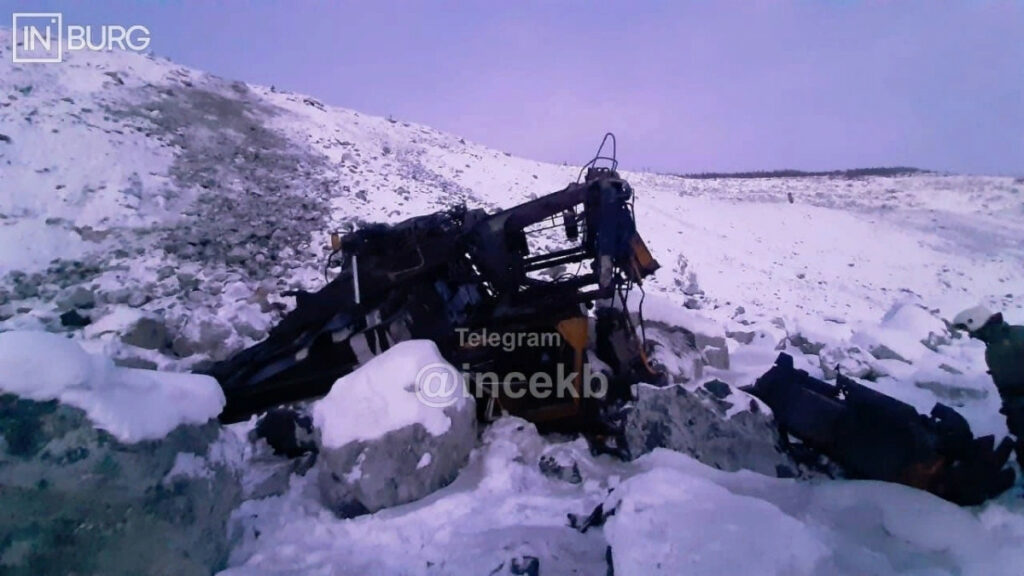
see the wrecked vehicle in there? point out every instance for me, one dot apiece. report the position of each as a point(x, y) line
point(877, 437)
point(541, 288)
point(458, 277)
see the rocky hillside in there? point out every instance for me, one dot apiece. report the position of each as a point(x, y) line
point(130, 184)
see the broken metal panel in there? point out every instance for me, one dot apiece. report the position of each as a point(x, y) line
point(877, 437)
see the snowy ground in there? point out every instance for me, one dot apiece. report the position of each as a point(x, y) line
point(132, 187)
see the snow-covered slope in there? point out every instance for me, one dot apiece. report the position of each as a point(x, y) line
point(133, 187)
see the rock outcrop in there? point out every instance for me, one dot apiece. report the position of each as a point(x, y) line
point(76, 500)
point(726, 430)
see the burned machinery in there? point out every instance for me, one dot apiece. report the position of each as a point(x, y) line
point(874, 436)
point(463, 271)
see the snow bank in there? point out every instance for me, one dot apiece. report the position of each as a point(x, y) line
point(131, 404)
point(710, 530)
point(744, 523)
point(902, 334)
point(501, 509)
point(381, 396)
point(661, 308)
point(30, 243)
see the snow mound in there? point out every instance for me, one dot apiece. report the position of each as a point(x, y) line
point(745, 523)
point(706, 523)
point(382, 396)
point(133, 405)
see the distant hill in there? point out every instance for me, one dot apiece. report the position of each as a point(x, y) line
point(853, 173)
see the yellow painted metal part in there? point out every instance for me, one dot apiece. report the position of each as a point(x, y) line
point(642, 263)
point(575, 332)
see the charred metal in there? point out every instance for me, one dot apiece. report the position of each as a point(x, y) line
point(498, 295)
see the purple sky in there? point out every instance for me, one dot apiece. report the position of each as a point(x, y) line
point(687, 86)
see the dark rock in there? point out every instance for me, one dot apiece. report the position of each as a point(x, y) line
point(132, 362)
point(115, 77)
point(717, 356)
point(72, 319)
point(164, 272)
point(138, 298)
point(25, 290)
point(149, 333)
point(950, 369)
point(718, 389)
point(783, 471)
point(77, 297)
point(210, 336)
point(288, 432)
point(5, 138)
point(806, 346)
point(91, 235)
point(883, 352)
point(525, 566)
point(743, 337)
point(187, 281)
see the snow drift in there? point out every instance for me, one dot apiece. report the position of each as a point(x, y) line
point(131, 404)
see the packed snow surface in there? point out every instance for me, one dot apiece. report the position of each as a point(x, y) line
point(381, 396)
point(131, 404)
point(679, 516)
point(672, 515)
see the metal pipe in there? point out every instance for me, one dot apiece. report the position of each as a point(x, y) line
point(355, 276)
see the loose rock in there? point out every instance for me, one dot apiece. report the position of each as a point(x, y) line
point(399, 460)
point(558, 463)
point(78, 297)
point(288, 432)
point(149, 333)
point(695, 423)
point(72, 319)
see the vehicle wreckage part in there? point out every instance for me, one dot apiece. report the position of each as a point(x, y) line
point(355, 278)
point(874, 436)
point(431, 276)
